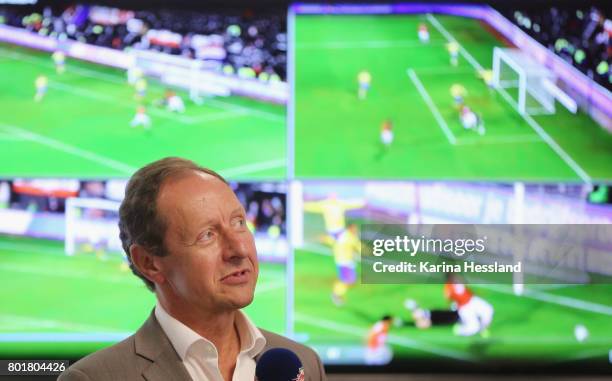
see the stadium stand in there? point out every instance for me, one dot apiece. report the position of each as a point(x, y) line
point(243, 42)
point(581, 36)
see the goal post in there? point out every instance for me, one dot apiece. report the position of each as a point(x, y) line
point(186, 73)
point(93, 223)
point(525, 80)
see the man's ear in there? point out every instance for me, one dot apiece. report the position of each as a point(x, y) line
point(147, 264)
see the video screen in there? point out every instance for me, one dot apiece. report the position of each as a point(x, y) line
point(71, 288)
point(333, 124)
point(454, 92)
point(419, 325)
point(98, 91)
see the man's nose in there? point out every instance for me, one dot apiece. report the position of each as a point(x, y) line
point(235, 244)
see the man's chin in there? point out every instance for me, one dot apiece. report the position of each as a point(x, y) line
point(244, 300)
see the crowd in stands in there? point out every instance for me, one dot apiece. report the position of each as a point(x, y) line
point(251, 44)
point(581, 36)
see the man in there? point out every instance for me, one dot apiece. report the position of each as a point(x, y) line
point(333, 211)
point(134, 73)
point(453, 51)
point(471, 121)
point(346, 248)
point(174, 103)
point(364, 78)
point(185, 235)
point(40, 84)
point(59, 59)
point(423, 33)
point(386, 133)
point(487, 76)
point(458, 92)
point(424, 318)
point(141, 118)
point(141, 89)
point(377, 351)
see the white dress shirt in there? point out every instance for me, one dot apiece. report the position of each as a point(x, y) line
point(200, 356)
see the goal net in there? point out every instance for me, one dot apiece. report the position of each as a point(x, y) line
point(181, 72)
point(92, 226)
point(526, 81)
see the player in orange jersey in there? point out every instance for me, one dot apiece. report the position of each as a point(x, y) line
point(386, 133)
point(423, 33)
point(377, 351)
point(475, 314)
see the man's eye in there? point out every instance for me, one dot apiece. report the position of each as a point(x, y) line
point(239, 222)
point(207, 235)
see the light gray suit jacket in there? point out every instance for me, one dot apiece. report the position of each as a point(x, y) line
point(149, 355)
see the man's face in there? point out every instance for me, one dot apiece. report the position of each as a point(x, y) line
point(212, 261)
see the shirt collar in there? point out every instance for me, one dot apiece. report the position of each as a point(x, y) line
point(252, 341)
point(182, 337)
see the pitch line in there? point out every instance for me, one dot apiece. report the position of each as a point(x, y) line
point(70, 149)
point(361, 332)
point(530, 121)
point(10, 137)
point(499, 140)
point(254, 167)
point(371, 44)
point(549, 140)
point(432, 107)
point(115, 79)
point(555, 299)
point(533, 294)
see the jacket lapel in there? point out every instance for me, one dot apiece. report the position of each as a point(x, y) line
point(152, 344)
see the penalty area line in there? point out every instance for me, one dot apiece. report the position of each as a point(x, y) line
point(530, 121)
point(432, 107)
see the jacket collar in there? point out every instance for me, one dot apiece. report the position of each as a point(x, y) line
point(151, 343)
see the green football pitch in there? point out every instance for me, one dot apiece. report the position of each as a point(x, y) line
point(538, 326)
point(82, 126)
point(337, 135)
point(56, 305)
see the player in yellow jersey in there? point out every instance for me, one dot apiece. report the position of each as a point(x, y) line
point(487, 77)
point(40, 84)
point(333, 211)
point(458, 92)
point(364, 78)
point(346, 249)
point(59, 59)
point(134, 73)
point(453, 51)
point(141, 89)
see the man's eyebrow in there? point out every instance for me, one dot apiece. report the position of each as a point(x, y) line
point(238, 210)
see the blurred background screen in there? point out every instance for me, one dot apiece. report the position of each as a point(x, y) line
point(323, 118)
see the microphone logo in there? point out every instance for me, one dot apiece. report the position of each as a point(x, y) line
point(300, 376)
